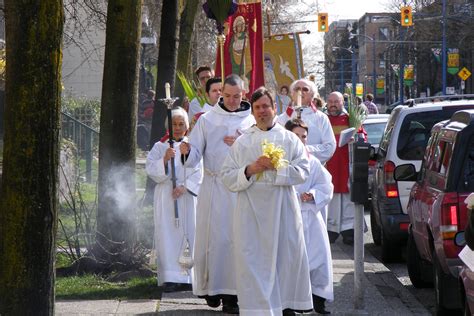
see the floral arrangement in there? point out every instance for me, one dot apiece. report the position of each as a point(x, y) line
point(276, 154)
point(470, 201)
point(190, 89)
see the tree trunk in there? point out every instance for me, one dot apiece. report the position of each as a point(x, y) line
point(116, 194)
point(167, 58)
point(185, 39)
point(29, 204)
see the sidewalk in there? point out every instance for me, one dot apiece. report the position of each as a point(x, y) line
point(384, 295)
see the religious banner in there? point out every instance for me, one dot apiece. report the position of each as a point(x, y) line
point(243, 47)
point(453, 61)
point(283, 61)
point(408, 75)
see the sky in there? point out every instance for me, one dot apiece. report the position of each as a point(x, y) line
point(351, 9)
point(339, 10)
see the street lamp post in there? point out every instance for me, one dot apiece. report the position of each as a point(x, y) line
point(374, 61)
point(353, 68)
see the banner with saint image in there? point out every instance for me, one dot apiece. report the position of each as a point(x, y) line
point(243, 47)
point(283, 61)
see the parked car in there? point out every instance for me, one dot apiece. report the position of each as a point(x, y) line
point(374, 125)
point(404, 141)
point(436, 207)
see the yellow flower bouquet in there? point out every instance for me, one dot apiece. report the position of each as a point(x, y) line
point(276, 154)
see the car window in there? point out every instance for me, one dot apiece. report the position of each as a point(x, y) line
point(389, 129)
point(468, 168)
point(374, 132)
point(415, 132)
point(446, 159)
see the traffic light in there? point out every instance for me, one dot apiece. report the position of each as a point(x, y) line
point(406, 16)
point(322, 22)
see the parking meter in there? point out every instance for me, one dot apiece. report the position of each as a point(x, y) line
point(360, 152)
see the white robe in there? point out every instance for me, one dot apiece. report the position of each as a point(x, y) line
point(194, 108)
point(270, 254)
point(315, 232)
point(214, 271)
point(207, 107)
point(341, 213)
point(169, 238)
point(321, 141)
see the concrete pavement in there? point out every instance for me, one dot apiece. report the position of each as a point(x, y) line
point(384, 295)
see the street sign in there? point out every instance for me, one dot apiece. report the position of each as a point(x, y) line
point(464, 73)
point(450, 90)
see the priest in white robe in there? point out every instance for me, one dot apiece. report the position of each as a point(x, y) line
point(321, 141)
point(314, 195)
point(270, 254)
point(210, 140)
point(169, 239)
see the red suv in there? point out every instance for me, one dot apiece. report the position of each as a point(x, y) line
point(436, 207)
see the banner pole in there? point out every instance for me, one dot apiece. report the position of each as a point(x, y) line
point(220, 42)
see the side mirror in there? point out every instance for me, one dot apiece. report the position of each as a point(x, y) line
point(405, 172)
point(459, 239)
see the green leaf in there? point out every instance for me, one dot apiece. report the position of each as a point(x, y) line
point(190, 89)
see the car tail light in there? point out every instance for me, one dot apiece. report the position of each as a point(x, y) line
point(372, 163)
point(404, 226)
point(391, 189)
point(449, 216)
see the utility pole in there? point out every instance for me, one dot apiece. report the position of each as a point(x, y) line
point(443, 49)
point(374, 65)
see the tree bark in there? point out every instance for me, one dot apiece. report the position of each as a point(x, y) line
point(116, 193)
point(167, 59)
point(185, 39)
point(29, 204)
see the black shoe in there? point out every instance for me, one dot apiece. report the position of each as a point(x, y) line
point(332, 236)
point(348, 237)
point(288, 312)
point(318, 305)
point(213, 301)
point(229, 304)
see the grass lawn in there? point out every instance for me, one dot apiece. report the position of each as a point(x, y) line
point(93, 287)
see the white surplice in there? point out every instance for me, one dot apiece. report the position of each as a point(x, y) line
point(315, 232)
point(214, 269)
point(270, 254)
point(169, 238)
point(321, 140)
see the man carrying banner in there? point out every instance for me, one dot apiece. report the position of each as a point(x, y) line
point(210, 140)
point(321, 141)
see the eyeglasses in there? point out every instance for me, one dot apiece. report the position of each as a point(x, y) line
point(304, 89)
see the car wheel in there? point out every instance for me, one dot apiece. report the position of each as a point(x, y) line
point(391, 251)
point(445, 289)
point(375, 228)
point(416, 266)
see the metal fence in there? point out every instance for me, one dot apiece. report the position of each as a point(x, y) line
point(84, 137)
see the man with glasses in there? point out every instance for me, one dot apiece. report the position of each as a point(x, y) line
point(321, 141)
point(341, 208)
point(203, 73)
point(210, 140)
